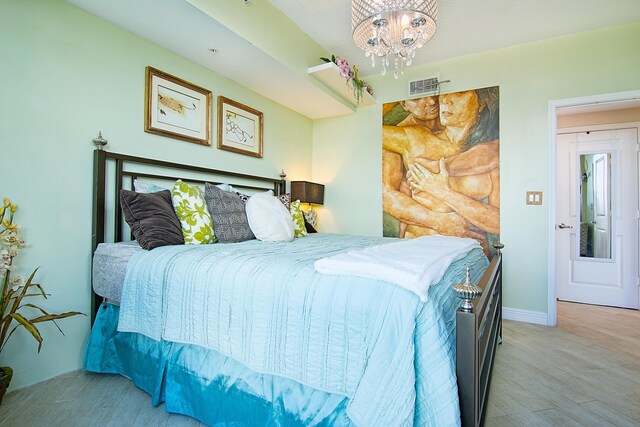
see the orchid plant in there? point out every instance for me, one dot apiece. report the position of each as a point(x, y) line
point(15, 290)
point(350, 73)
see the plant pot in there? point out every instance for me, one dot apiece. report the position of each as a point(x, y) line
point(6, 373)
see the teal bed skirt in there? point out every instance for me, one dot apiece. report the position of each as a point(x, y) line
point(204, 384)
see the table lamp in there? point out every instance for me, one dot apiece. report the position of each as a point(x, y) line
point(311, 193)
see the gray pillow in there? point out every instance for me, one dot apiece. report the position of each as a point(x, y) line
point(152, 219)
point(228, 213)
point(284, 198)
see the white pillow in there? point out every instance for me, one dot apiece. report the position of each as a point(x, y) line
point(146, 187)
point(269, 219)
point(227, 187)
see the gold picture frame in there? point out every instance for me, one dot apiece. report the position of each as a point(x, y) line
point(239, 128)
point(176, 108)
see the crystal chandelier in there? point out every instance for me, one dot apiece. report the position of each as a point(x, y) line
point(393, 29)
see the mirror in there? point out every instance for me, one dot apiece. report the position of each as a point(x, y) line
point(595, 205)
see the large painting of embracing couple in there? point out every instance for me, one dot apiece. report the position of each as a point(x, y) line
point(441, 166)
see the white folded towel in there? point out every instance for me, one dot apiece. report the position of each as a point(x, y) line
point(414, 264)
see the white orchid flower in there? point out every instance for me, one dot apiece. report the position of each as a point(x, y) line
point(12, 238)
point(13, 251)
point(17, 283)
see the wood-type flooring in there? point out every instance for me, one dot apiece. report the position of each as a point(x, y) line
point(585, 372)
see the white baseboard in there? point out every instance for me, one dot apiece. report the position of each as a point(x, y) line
point(537, 317)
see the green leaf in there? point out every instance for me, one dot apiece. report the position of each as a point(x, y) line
point(51, 317)
point(23, 292)
point(43, 312)
point(31, 295)
point(41, 290)
point(29, 326)
point(7, 300)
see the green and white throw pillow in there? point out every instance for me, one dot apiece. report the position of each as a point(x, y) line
point(191, 209)
point(298, 219)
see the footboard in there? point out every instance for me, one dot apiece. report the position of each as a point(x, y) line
point(477, 334)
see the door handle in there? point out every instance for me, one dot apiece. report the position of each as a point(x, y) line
point(563, 225)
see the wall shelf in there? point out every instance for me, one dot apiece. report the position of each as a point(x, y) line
point(329, 74)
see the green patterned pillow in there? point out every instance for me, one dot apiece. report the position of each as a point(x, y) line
point(191, 209)
point(298, 219)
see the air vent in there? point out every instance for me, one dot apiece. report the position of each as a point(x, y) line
point(419, 87)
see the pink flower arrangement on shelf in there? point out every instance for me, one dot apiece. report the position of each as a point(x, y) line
point(351, 75)
point(345, 70)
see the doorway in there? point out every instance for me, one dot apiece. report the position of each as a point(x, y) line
point(585, 241)
point(596, 210)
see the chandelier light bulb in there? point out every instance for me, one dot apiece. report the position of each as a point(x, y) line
point(393, 28)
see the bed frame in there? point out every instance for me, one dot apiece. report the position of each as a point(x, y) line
point(478, 331)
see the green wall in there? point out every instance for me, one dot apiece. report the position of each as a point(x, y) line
point(347, 150)
point(67, 75)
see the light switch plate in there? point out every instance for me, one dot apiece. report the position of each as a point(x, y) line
point(534, 197)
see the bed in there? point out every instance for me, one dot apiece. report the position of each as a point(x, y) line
point(290, 346)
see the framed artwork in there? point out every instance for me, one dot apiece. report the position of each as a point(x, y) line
point(239, 128)
point(176, 108)
point(441, 166)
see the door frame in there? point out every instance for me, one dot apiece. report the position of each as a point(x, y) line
point(553, 129)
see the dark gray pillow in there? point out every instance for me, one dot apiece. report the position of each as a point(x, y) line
point(308, 226)
point(228, 214)
point(152, 219)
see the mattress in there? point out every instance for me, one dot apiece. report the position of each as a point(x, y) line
point(110, 262)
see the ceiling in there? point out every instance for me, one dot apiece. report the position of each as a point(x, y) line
point(464, 27)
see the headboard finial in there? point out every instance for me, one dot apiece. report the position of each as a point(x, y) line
point(467, 291)
point(100, 141)
point(283, 175)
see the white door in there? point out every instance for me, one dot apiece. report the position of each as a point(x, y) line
point(597, 217)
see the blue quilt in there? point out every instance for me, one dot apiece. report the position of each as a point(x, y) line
point(264, 305)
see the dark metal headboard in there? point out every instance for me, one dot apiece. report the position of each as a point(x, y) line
point(125, 170)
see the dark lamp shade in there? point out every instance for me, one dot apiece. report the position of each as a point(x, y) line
point(307, 192)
